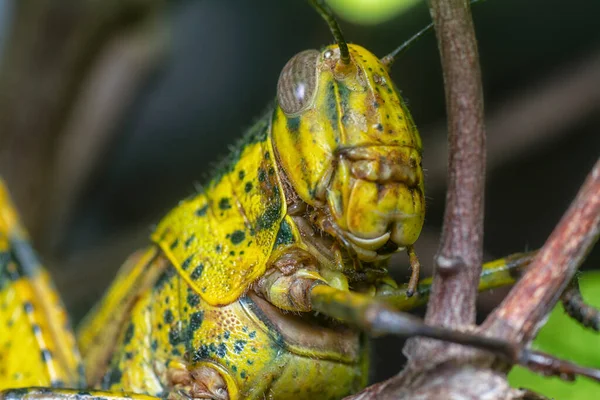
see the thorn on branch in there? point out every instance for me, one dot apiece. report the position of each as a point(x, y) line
point(447, 266)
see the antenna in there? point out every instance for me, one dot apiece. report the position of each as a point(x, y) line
point(325, 12)
point(390, 58)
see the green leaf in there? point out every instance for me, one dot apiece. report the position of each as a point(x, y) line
point(565, 338)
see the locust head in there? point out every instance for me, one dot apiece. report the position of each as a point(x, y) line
point(349, 148)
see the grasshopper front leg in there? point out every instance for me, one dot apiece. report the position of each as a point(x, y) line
point(495, 274)
point(306, 290)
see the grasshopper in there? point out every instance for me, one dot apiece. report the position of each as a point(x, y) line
point(302, 217)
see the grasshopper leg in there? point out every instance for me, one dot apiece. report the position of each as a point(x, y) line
point(37, 345)
point(306, 290)
point(494, 274)
point(415, 271)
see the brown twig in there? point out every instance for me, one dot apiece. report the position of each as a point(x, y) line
point(459, 258)
point(519, 316)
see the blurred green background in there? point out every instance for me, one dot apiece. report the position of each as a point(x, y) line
point(565, 338)
point(110, 110)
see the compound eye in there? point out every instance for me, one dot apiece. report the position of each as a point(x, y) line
point(298, 82)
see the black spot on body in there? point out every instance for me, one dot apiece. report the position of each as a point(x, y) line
point(241, 174)
point(46, 355)
point(224, 203)
point(193, 299)
point(189, 240)
point(293, 124)
point(165, 277)
point(196, 320)
point(197, 272)
point(168, 316)
point(113, 376)
point(28, 307)
point(202, 353)
point(129, 355)
point(218, 248)
point(284, 236)
point(201, 212)
point(262, 175)
point(248, 187)
point(174, 336)
point(270, 216)
point(129, 334)
point(237, 237)
point(186, 263)
point(379, 127)
point(154, 345)
point(221, 350)
point(238, 346)
point(174, 244)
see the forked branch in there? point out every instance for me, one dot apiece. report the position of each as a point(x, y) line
point(434, 369)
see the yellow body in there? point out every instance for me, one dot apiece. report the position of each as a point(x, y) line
point(322, 192)
point(188, 302)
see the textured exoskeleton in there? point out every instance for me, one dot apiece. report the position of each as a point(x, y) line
point(303, 215)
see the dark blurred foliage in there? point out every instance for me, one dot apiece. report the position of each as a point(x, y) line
point(220, 72)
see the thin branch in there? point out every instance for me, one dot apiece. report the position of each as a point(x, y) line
point(459, 258)
point(519, 316)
